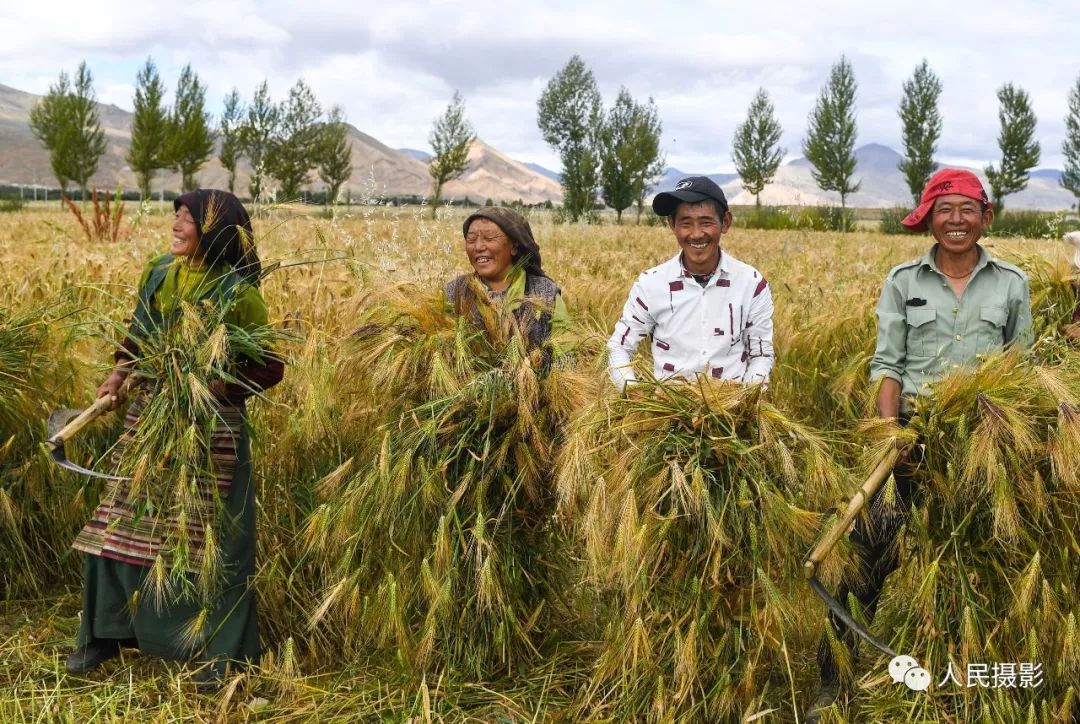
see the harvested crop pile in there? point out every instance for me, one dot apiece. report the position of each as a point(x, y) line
point(440, 542)
point(693, 503)
point(989, 586)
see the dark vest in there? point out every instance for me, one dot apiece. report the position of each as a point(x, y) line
point(148, 320)
point(537, 328)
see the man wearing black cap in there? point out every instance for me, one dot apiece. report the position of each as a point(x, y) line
point(706, 311)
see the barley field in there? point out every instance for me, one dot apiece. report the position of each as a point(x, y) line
point(452, 529)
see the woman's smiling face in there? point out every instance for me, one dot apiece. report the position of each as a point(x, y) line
point(185, 241)
point(490, 251)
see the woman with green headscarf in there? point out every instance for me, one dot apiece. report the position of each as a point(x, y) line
point(212, 269)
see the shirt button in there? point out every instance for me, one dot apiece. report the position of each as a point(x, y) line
point(955, 310)
point(958, 338)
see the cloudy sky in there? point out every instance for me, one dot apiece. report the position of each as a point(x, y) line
point(393, 65)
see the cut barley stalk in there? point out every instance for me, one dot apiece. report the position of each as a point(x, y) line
point(707, 491)
point(448, 523)
point(992, 533)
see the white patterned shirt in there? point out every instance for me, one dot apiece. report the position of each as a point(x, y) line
point(723, 329)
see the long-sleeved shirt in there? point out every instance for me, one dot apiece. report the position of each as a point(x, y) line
point(722, 329)
point(924, 330)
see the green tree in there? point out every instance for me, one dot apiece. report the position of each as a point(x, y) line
point(1070, 148)
point(149, 128)
point(830, 138)
point(450, 140)
point(67, 123)
point(1019, 149)
point(921, 122)
point(257, 135)
point(191, 133)
point(568, 114)
point(294, 146)
point(650, 160)
point(335, 154)
point(756, 148)
point(88, 136)
point(229, 127)
point(629, 145)
point(49, 122)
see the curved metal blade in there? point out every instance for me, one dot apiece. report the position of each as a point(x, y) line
point(60, 458)
point(59, 418)
point(845, 616)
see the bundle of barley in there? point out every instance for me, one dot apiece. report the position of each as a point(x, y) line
point(694, 503)
point(441, 543)
point(179, 445)
point(1053, 296)
point(988, 591)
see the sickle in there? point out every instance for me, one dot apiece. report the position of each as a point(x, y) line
point(60, 459)
point(55, 444)
point(856, 504)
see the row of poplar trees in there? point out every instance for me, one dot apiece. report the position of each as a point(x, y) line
point(620, 150)
point(285, 141)
point(830, 139)
point(615, 150)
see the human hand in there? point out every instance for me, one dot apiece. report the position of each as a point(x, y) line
point(903, 443)
point(112, 388)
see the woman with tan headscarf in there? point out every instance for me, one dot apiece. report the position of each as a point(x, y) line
point(507, 269)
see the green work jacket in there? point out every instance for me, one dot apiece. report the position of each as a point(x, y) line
point(924, 330)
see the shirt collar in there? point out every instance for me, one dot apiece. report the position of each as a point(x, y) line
point(722, 265)
point(929, 261)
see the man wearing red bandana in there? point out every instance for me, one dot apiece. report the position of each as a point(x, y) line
point(942, 311)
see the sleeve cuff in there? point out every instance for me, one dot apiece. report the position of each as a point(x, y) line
point(877, 374)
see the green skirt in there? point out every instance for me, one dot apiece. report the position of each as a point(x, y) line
point(231, 631)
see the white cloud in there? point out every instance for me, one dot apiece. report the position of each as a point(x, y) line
point(394, 65)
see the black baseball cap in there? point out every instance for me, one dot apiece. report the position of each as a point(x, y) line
point(690, 190)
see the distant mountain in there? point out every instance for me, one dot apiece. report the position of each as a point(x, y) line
point(378, 170)
point(417, 154)
point(673, 175)
point(493, 175)
point(553, 175)
point(882, 185)
point(1050, 174)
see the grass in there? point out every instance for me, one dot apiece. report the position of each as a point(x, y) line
point(317, 450)
point(1033, 224)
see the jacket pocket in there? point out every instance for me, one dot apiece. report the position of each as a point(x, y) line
point(922, 336)
point(991, 328)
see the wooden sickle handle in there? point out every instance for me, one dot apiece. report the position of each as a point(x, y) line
point(856, 504)
point(84, 418)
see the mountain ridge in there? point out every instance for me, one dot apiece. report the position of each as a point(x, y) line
point(378, 170)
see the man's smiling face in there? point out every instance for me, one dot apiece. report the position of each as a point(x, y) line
point(957, 222)
point(698, 228)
